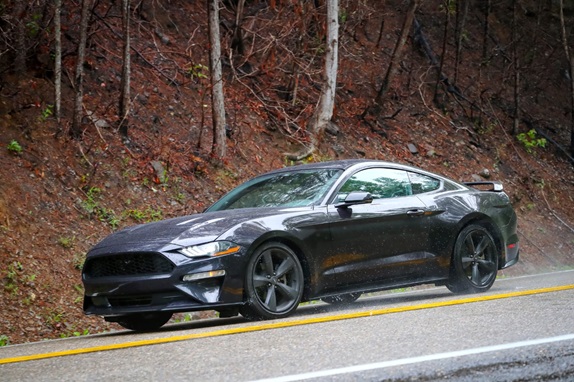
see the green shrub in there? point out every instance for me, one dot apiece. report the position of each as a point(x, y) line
point(530, 141)
point(14, 147)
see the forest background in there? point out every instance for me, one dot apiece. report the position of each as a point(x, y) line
point(472, 89)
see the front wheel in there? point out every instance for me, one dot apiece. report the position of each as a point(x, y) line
point(273, 283)
point(474, 261)
point(144, 322)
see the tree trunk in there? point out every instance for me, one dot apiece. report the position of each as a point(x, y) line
point(20, 36)
point(439, 77)
point(76, 129)
point(218, 149)
point(58, 61)
point(486, 32)
point(398, 51)
point(460, 25)
point(324, 112)
point(322, 116)
point(382, 27)
point(124, 106)
point(237, 40)
point(572, 106)
point(516, 122)
point(570, 60)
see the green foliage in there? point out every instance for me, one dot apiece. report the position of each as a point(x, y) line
point(14, 276)
point(74, 333)
point(448, 5)
point(187, 317)
point(343, 16)
point(14, 147)
point(146, 216)
point(179, 197)
point(530, 140)
point(4, 340)
point(66, 242)
point(79, 288)
point(79, 260)
point(197, 71)
point(34, 26)
point(11, 277)
point(55, 317)
point(85, 332)
point(91, 206)
point(47, 113)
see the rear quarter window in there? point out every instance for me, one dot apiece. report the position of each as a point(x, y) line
point(423, 183)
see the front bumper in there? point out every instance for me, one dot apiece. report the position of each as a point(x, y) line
point(119, 295)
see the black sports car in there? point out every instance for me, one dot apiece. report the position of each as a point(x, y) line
point(328, 231)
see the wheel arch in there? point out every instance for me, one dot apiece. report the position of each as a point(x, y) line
point(486, 222)
point(297, 247)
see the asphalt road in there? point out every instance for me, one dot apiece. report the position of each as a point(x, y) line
point(521, 330)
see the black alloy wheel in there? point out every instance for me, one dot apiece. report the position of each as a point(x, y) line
point(145, 322)
point(342, 299)
point(474, 261)
point(273, 283)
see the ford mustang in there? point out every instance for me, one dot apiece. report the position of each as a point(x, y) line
point(328, 231)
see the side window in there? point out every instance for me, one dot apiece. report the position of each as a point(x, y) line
point(380, 182)
point(422, 183)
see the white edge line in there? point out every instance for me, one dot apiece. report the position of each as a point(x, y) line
point(425, 358)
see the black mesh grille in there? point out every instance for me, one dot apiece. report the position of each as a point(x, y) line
point(128, 264)
point(130, 301)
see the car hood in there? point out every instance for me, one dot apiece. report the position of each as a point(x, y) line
point(185, 230)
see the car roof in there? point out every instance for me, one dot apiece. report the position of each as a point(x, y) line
point(343, 164)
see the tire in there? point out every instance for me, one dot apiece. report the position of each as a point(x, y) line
point(274, 283)
point(145, 322)
point(474, 261)
point(342, 299)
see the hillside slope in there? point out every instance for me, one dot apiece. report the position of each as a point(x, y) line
point(59, 196)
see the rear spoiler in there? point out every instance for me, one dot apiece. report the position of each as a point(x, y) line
point(486, 186)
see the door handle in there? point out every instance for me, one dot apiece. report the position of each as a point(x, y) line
point(417, 212)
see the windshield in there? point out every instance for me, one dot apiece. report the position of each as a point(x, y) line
point(285, 189)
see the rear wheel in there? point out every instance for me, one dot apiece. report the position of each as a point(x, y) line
point(273, 283)
point(342, 299)
point(474, 261)
point(144, 322)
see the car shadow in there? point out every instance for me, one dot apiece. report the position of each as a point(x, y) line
point(381, 301)
point(305, 310)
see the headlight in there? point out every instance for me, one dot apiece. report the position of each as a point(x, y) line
point(216, 248)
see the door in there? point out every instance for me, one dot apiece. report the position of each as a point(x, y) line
point(384, 241)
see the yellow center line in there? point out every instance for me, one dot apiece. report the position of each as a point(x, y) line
point(283, 324)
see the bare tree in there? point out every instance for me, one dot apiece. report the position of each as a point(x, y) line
point(382, 27)
point(20, 36)
point(398, 51)
point(516, 60)
point(486, 32)
point(58, 61)
point(461, 16)
point(324, 112)
point(322, 116)
point(218, 149)
point(76, 129)
point(570, 59)
point(124, 106)
point(440, 78)
point(237, 39)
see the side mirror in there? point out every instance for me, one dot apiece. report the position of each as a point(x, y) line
point(355, 198)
